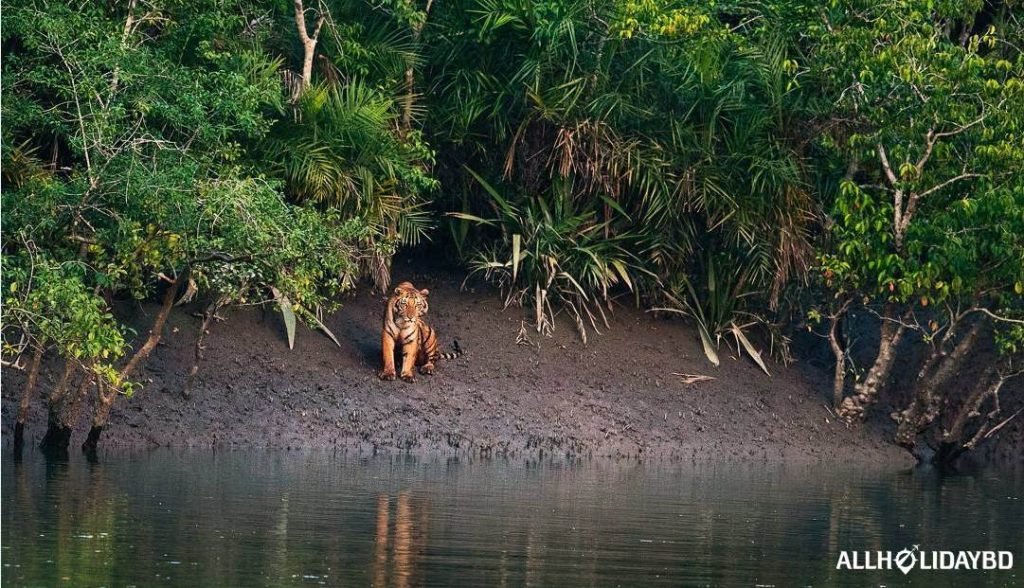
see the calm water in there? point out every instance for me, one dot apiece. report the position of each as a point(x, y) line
point(300, 518)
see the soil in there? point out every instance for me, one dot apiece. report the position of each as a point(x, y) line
point(620, 396)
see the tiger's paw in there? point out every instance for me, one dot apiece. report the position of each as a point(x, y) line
point(408, 378)
point(427, 369)
point(387, 375)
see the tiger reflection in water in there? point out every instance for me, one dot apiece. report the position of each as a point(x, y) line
point(407, 541)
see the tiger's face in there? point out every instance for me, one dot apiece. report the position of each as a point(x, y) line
point(409, 303)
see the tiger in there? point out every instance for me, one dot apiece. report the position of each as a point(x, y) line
point(404, 327)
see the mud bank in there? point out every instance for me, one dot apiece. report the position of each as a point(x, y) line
point(619, 396)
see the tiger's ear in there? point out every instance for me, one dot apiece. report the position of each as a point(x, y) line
point(425, 292)
point(398, 291)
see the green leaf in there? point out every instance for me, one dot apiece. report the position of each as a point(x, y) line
point(490, 190)
point(709, 347)
point(615, 206)
point(623, 272)
point(287, 313)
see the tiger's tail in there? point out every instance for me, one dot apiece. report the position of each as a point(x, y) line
point(453, 355)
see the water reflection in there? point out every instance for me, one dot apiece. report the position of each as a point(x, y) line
point(407, 541)
point(380, 550)
point(291, 518)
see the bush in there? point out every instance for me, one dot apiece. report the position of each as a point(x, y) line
point(553, 257)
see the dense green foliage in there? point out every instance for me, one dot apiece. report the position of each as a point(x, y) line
point(751, 164)
point(672, 126)
point(117, 179)
point(927, 224)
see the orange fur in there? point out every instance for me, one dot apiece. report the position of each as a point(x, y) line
point(406, 331)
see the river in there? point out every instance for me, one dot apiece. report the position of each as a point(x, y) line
point(279, 518)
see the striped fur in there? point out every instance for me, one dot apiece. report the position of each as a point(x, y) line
point(406, 331)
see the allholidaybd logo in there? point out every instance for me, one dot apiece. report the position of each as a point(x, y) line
point(915, 558)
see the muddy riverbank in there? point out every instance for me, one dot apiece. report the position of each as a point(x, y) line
point(619, 396)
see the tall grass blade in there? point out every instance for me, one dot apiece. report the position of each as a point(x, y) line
point(288, 313)
point(517, 242)
point(742, 340)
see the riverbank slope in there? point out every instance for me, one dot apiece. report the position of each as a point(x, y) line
point(621, 395)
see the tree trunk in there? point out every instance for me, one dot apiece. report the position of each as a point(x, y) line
point(64, 412)
point(410, 73)
point(52, 441)
point(854, 408)
point(309, 49)
point(26, 397)
point(952, 361)
point(952, 444)
point(839, 375)
point(308, 41)
point(924, 406)
point(971, 406)
point(106, 394)
point(73, 403)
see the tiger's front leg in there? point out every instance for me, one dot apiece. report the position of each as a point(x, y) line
point(388, 347)
point(428, 351)
point(426, 361)
point(409, 353)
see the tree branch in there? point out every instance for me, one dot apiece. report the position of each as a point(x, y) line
point(885, 165)
point(221, 257)
point(158, 326)
point(93, 181)
point(931, 138)
point(938, 187)
point(300, 21)
point(995, 316)
point(317, 26)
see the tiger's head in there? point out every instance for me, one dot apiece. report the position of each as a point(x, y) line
point(409, 303)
